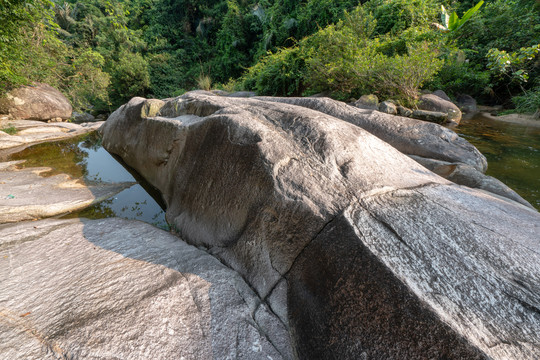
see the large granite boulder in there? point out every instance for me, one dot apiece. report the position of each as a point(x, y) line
point(35, 102)
point(120, 289)
point(359, 250)
point(410, 136)
point(431, 102)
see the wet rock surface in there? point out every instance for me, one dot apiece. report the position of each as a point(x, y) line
point(26, 194)
point(28, 132)
point(328, 224)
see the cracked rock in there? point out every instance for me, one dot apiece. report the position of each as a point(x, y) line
point(367, 252)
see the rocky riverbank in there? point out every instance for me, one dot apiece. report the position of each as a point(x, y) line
point(307, 229)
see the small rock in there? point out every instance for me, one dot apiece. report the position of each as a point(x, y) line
point(388, 108)
point(370, 102)
point(403, 111)
point(82, 117)
point(431, 116)
point(466, 103)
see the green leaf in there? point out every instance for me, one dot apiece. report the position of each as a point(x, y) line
point(444, 17)
point(470, 12)
point(453, 23)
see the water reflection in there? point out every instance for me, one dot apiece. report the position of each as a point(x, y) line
point(84, 158)
point(512, 151)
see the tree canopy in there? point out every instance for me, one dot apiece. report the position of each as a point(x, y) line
point(101, 53)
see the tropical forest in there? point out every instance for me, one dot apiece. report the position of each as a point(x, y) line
point(102, 53)
point(270, 179)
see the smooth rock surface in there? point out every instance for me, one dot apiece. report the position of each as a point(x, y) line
point(82, 117)
point(359, 250)
point(403, 111)
point(120, 289)
point(463, 174)
point(442, 95)
point(431, 102)
point(33, 132)
point(410, 136)
point(35, 102)
point(25, 194)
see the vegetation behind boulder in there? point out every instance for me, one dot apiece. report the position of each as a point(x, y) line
point(100, 54)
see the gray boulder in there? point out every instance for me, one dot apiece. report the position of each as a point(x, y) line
point(442, 95)
point(370, 102)
point(82, 117)
point(120, 289)
point(35, 102)
point(242, 94)
point(464, 174)
point(348, 240)
point(410, 136)
point(436, 117)
point(466, 103)
point(431, 102)
point(403, 111)
point(388, 107)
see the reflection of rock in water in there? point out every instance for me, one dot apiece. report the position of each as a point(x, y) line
point(84, 158)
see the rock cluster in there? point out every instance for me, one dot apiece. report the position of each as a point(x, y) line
point(312, 235)
point(436, 107)
point(358, 250)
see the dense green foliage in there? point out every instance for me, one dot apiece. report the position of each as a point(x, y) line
point(101, 53)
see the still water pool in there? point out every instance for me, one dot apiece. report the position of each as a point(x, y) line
point(84, 158)
point(512, 151)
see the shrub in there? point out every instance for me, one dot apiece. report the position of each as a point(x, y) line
point(87, 84)
point(460, 76)
point(529, 102)
point(10, 129)
point(277, 74)
point(204, 82)
point(401, 76)
point(346, 60)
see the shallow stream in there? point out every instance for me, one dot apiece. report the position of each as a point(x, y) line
point(512, 151)
point(84, 158)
